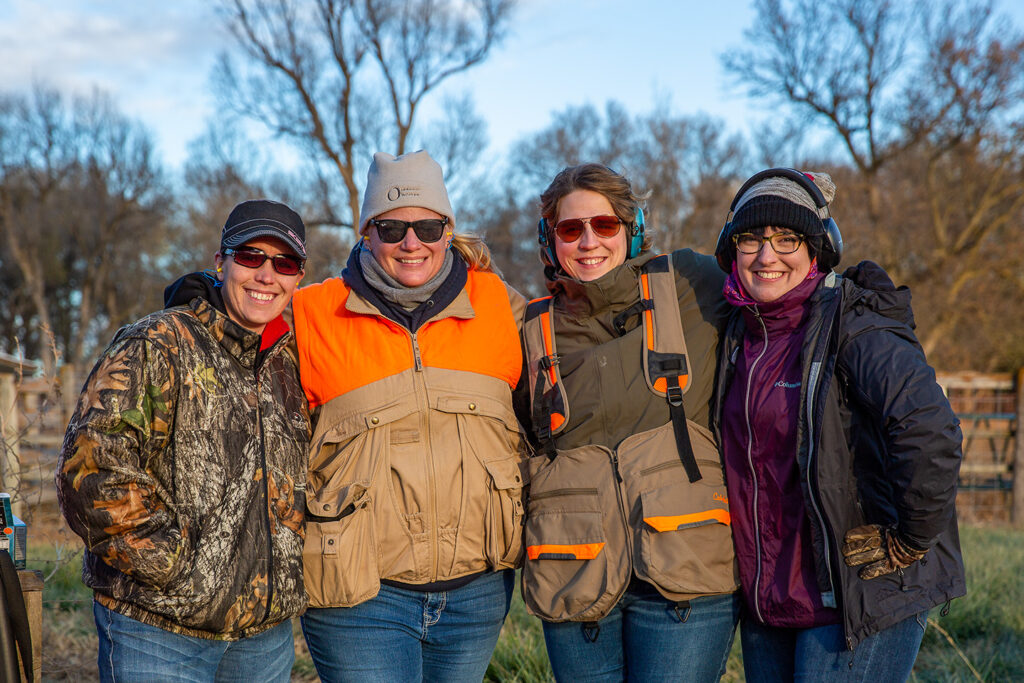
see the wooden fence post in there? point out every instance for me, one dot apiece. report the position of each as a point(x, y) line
point(10, 465)
point(1017, 505)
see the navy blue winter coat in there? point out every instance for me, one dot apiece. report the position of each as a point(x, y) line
point(877, 443)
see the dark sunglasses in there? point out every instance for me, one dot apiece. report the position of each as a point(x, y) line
point(571, 229)
point(427, 230)
point(251, 257)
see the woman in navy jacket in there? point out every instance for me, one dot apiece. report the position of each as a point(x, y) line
point(841, 451)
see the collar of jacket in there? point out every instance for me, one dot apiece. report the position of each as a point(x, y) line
point(460, 307)
point(236, 340)
point(785, 314)
point(451, 290)
point(615, 289)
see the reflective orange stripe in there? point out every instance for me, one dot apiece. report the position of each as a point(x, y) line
point(674, 522)
point(645, 289)
point(661, 384)
point(581, 551)
point(545, 326)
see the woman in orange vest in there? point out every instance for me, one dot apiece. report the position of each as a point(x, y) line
point(414, 498)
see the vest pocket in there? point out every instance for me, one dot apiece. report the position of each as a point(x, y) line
point(575, 569)
point(684, 543)
point(504, 543)
point(565, 576)
point(339, 557)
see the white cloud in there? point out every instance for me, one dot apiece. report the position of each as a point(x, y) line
point(153, 58)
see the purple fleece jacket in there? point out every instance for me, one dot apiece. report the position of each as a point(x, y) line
point(759, 443)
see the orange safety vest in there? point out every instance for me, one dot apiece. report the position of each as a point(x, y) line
point(357, 347)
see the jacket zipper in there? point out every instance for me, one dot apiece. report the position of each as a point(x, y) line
point(624, 518)
point(812, 390)
point(750, 466)
point(416, 351)
point(431, 484)
point(563, 492)
point(266, 503)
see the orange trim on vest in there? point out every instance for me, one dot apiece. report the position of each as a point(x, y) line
point(579, 551)
point(660, 384)
point(549, 350)
point(674, 522)
point(340, 350)
point(557, 419)
point(645, 290)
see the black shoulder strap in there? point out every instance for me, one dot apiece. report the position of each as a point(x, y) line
point(666, 362)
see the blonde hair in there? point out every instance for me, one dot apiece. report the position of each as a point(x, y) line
point(473, 250)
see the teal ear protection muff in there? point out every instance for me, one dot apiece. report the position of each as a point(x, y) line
point(832, 243)
point(636, 232)
point(545, 237)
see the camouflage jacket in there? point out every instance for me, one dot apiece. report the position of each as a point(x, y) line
point(184, 469)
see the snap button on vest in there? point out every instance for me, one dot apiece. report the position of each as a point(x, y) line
point(472, 406)
point(375, 420)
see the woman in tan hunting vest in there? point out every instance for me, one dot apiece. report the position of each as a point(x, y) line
point(628, 545)
point(414, 510)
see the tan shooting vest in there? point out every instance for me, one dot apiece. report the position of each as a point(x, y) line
point(655, 505)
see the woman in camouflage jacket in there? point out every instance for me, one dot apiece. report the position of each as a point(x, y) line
point(183, 469)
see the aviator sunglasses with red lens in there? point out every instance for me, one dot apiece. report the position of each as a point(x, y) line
point(571, 229)
point(390, 230)
point(251, 257)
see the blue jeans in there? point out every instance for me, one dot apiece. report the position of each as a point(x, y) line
point(646, 638)
point(405, 635)
point(133, 652)
point(816, 654)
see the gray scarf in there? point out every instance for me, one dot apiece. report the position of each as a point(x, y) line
point(392, 290)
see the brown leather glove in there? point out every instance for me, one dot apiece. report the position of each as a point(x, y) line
point(879, 549)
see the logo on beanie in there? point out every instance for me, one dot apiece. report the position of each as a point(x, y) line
point(395, 192)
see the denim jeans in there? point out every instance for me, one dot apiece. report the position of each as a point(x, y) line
point(133, 652)
point(646, 638)
point(406, 635)
point(816, 654)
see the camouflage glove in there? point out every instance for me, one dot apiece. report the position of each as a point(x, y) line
point(879, 549)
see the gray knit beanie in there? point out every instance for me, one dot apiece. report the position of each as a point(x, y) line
point(408, 180)
point(782, 203)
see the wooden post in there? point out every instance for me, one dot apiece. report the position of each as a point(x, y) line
point(10, 460)
point(1017, 505)
point(32, 590)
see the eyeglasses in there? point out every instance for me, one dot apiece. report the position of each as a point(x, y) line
point(571, 229)
point(251, 257)
point(427, 230)
point(782, 242)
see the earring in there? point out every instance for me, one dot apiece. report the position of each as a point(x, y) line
point(219, 269)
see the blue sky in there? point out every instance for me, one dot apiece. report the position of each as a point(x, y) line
point(155, 59)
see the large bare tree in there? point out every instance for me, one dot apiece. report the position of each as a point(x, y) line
point(340, 79)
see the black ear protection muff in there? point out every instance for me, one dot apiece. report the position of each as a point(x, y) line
point(545, 237)
point(832, 245)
